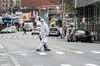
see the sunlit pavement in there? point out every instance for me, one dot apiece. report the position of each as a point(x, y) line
point(19, 50)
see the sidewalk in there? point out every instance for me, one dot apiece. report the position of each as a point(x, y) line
point(98, 42)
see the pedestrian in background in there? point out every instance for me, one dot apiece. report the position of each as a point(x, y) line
point(65, 30)
point(24, 30)
point(43, 35)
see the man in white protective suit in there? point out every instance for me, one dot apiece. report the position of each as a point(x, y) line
point(43, 35)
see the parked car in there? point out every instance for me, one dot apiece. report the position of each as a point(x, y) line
point(79, 35)
point(9, 30)
point(36, 30)
point(28, 25)
point(54, 31)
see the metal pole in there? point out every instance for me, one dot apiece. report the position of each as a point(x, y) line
point(62, 6)
point(75, 4)
point(75, 19)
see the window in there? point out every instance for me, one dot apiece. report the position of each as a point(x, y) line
point(3, 1)
point(3, 5)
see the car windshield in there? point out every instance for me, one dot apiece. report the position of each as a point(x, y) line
point(80, 31)
point(53, 29)
point(38, 25)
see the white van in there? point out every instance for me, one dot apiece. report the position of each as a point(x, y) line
point(37, 28)
point(28, 25)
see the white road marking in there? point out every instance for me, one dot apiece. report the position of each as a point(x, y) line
point(6, 64)
point(37, 65)
point(60, 52)
point(24, 54)
point(66, 65)
point(14, 61)
point(79, 52)
point(97, 52)
point(19, 36)
point(24, 36)
point(42, 53)
point(4, 54)
point(91, 65)
point(35, 36)
point(1, 46)
point(9, 36)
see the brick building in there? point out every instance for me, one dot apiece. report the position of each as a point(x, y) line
point(41, 6)
point(7, 5)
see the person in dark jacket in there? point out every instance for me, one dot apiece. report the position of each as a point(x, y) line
point(24, 30)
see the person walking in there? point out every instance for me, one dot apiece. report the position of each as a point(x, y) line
point(24, 30)
point(43, 35)
point(65, 30)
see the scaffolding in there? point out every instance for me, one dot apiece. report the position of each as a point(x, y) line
point(91, 13)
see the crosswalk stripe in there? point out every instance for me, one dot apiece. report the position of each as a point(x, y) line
point(1, 46)
point(24, 54)
point(3, 54)
point(79, 52)
point(66, 65)
point(6, 64)
point(21, 36)
point(42, 53)
point(60, 52)
point(96, 52)
point(37, 65)
point(91, 65)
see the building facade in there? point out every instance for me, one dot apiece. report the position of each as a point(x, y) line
point(88, 16)
point(7, 5)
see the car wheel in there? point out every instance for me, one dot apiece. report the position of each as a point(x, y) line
point(68, 40)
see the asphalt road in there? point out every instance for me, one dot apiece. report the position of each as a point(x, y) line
point(19, 50)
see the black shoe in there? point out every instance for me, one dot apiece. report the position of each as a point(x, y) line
point(47, 49)
point(38, 50)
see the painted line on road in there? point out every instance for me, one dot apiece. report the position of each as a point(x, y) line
point(19, 52)
point(6, 64)
point(42, 53)
point(24, 54)
point(61, 53)
point(66, 65)
point(37, 65)
point(1, 46)
point(16, 63)
point(96, 52)
point(79, 52)
point(4, 54)
point(35, 37)
point(91, 65)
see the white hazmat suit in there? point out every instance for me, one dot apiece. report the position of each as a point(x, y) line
point(44, 32)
